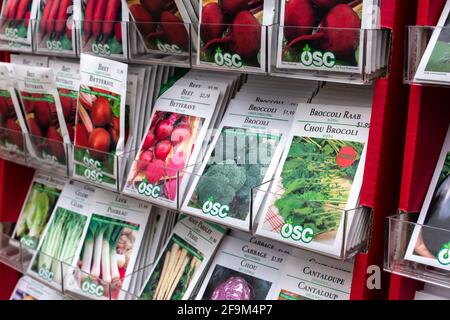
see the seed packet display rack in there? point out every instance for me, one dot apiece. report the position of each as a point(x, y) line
point(381, 181)
point(428, 120)
point(188, 56)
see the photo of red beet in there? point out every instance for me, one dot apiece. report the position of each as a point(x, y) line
point(54, 32)
point(97, 129)
point(11, 136)
point(233, 27)
point(165, 151)
point(160, 25)
point(43, 126)
point(100, 34)
point(327, 26)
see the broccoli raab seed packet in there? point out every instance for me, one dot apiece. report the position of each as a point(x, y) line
point(243, 155)
point(100, 125)
point(319, 177)
point(38, 206)
point(15, 23)
point(322, 35)
point(242, 271)
point(233, 35)
point(430, 240)
point(183, 260)
point(173, 140)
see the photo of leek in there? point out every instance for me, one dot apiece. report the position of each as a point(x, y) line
point(174, 271)
point(36, 212)
point(107, 250)
point(60, 243)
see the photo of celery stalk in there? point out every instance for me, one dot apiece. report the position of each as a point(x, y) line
point(60, 244)
point(107, 250)
point(36, 213)
point(174, 271)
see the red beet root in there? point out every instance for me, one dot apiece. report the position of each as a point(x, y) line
point(174, 30)
point(101, 141)
point(34, 128)
point(164, 129)
point(180, 134)
point(145, 158)
point(71, 132)
point(101, 112)
point(15, 138)
point(244, 37)
point(144, 20)
point(328, 4)
point(149, 141)
point(231, 7)
point(163, 149)
point(55, 143)
point(298, 18)
point(155, 171)
point(81, 136)
point(42, 114)
point(212, 22)
point(155, 7)
point(176, 163)
point(332, 37)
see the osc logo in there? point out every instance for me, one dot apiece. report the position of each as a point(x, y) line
point(444, 255)
point(297, 233)
point(227, 59)
point(317, 58)
point(215, 209)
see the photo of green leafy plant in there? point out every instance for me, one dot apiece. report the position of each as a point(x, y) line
point(440, 58)
point(35, 214)
point(238, 163)
point(174, 271)
point(314, 188)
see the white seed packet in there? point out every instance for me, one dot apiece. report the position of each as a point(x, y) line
point(242, 271)
point(302, 47)
point(68, 81)
point(61, 241)
point(29, 289)
point(15, 27)
point(237, 40)
point(11, 117)
point(182, 262)
point(109, 250)
point(29, 60)
point(100, 125)
point(318, 179)
point(44, 116)
point(306, 280)
point(104, 29)
point(243, 155)
point(39, 203)
point(434, 64)
point(178, 126)
point(55, 27)
point(430, 240)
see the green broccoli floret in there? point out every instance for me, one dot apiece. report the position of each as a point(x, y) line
point(254, 178)
point(214, 187)
point(234, 175)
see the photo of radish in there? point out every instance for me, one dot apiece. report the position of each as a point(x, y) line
point(327, 26)
point(160, 25)
point(165, 151)
point(107, 250)
point(100, 34)
point(54, 25)
point(43, 125)
point(15, 17)
point(11, 135)
point(97, 128)
point(231, 27)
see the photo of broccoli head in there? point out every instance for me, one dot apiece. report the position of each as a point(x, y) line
point(238, 163)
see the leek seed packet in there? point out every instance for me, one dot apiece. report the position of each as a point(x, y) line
point(430, 240)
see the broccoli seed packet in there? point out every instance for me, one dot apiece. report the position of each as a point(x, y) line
point(243, 154)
